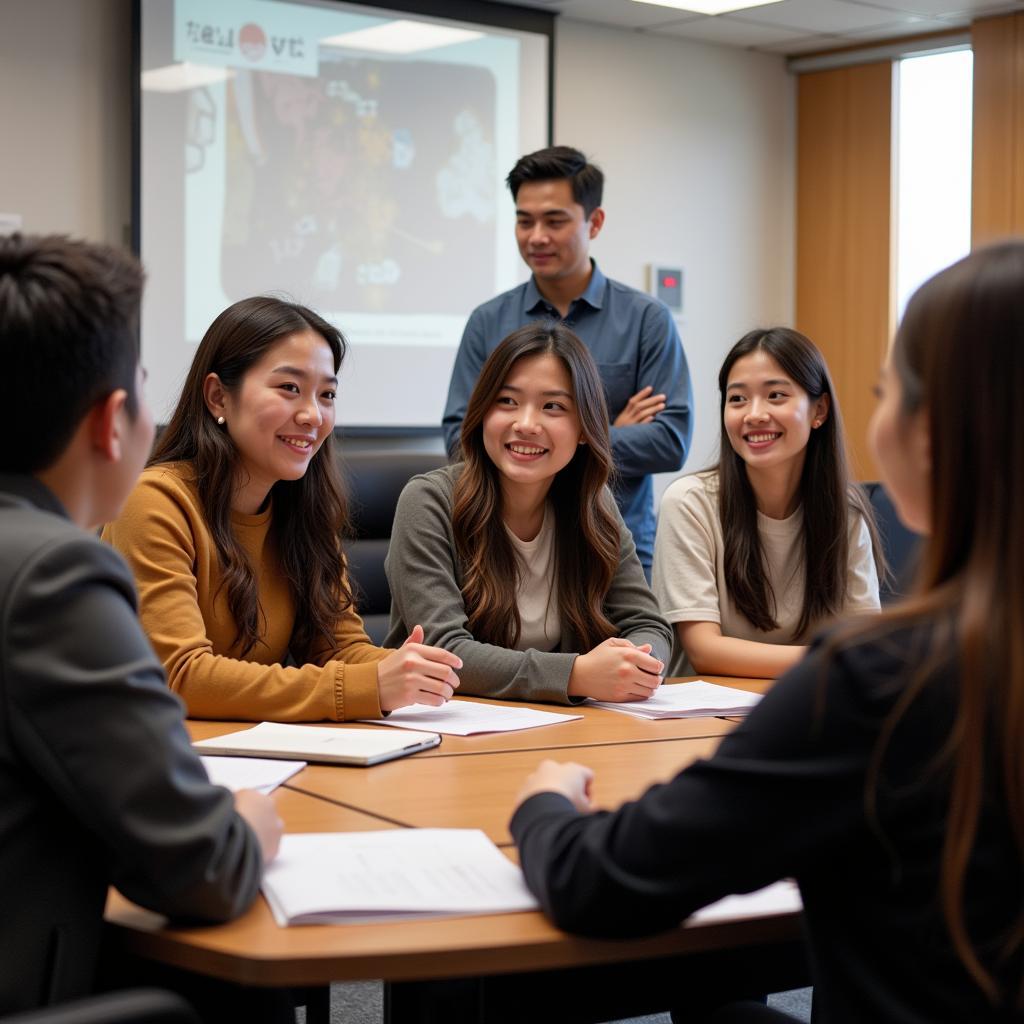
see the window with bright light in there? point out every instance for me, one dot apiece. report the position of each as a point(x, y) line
point(933, 166)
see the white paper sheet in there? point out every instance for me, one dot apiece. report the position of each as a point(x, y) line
point(465, 717)
point(698, 699)
point(260, 773)
point(356, 877)
point(778, 898)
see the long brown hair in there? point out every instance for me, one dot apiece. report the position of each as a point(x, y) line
point(959, 358)
point(586, 532)
point(826, 494)
point(309, 513)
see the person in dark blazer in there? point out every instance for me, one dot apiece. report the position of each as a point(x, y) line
point(98, 781)
point(885, 772)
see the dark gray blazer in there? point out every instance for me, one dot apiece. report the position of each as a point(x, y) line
point(98, 782)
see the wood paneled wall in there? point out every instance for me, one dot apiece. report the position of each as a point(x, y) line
point(997, 206)
point(843, 279)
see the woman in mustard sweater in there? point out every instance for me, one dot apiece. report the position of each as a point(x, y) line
point(233, 536)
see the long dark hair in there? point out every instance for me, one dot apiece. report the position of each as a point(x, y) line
point(959, 358)
point(309, 513)
point(586, 532)
point(825, 493)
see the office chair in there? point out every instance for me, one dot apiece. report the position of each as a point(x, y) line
point(373, 482)
point(900, 545)
point(132, 1006)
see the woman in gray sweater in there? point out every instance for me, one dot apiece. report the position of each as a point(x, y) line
point(516, 558)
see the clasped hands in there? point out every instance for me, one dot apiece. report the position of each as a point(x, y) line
point(616, 670)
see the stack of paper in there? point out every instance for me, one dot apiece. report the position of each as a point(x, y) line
point(688, 700)
point(465, 717)
point(260, 773)
point(360, 877)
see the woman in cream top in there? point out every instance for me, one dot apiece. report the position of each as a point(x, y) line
point(691, 584)
point(753, 555)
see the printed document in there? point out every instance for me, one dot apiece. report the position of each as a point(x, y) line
point(360, 877)
point(260, 773)
point(465, 717)
point(699, 699)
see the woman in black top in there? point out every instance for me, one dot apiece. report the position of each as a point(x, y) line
point(885, 772)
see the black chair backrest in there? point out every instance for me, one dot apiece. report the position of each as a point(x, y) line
point(373, 482)
point(899, 544)
point(132, 1006)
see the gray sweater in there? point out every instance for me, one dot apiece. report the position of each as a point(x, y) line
point(426, 587)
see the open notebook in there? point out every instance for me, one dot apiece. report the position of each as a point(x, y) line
point(360, 747)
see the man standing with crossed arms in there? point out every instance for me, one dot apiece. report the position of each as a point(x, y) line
point(631, 335)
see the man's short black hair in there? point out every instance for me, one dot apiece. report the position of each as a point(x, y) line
point(68, 338)
point(557, 162)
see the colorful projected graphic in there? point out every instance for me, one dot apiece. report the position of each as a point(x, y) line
point(328, 191)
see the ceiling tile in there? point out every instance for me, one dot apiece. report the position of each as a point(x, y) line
point(790, 26)
point(617, 13)
point(806, 44)
point(958, 10)
point(912, 25)
point(729, 32)
point(817, 15)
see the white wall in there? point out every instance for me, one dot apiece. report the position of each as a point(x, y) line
point(697, 144)
point(65, 110)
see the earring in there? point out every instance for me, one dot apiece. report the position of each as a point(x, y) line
point(220, 421)
point(817, 423)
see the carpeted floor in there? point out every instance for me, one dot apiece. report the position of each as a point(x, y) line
point(362, 1003)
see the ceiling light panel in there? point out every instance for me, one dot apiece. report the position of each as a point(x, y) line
point(708, 6)
point(402, 36)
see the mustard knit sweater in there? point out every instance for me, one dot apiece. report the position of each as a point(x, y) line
point(163, 535)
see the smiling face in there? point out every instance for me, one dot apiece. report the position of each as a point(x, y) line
point(532, 430)
point(553, 232)
point(280, 414)
point(768, 418)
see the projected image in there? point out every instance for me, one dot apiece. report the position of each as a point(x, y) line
point(362, 187)
point(342, 155)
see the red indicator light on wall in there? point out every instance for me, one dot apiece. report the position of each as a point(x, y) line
point(666, 283)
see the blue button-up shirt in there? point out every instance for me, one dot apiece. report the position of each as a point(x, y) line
point(634, 342)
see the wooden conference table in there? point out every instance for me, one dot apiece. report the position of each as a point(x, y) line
point(516, 960)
